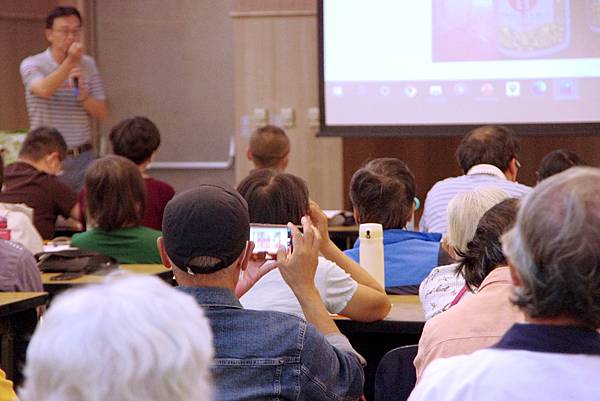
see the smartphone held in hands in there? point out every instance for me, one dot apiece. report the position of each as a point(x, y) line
point(268, 238)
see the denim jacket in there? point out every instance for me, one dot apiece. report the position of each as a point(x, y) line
point(262, 355)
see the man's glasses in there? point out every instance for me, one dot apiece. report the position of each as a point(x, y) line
point(66, 32)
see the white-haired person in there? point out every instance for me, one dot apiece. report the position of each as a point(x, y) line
point(554, 258)
point(445, 286)
point(482, 319)
point(132, 338)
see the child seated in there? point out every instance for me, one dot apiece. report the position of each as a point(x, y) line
point(115, 206)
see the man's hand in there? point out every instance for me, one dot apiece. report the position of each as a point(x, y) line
point(74, 53)
point(298, 268)
point(255, 270)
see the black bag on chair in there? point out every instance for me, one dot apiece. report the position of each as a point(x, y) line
point(75, 261)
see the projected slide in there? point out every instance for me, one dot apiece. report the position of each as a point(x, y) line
point(442, 62)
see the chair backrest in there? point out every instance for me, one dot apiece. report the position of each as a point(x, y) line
point(396, 375)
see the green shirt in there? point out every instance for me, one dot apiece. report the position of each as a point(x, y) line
point(126, 245)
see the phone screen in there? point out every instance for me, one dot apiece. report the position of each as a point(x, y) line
point(268, 239)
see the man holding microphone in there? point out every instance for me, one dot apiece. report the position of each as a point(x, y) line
point(63, 90)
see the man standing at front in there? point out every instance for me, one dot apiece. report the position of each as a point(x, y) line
point(63, 90)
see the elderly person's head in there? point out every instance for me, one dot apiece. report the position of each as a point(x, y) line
point(383, 191)
point(554, 249)
point(130, 339)
point(464, 212)
point(484, 251)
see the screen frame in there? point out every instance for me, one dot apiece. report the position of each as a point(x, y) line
point(433, 130)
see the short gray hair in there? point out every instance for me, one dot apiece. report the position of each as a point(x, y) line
point(132, 338)
point(464, 212)
point(555, 248)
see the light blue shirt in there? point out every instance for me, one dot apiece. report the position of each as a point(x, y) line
point(408, 256)
point(435, 216)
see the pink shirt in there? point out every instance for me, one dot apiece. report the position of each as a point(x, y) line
point(475, 323)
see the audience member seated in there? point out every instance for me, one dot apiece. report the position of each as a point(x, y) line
point(383, 192)
point(481, 320)
point(488, 158)
point(129, 339)
point(115, 207)
point(19, 220)
point(32, 180)
point(557, 161)
point(259, 355)
point(554, 255)
point(346, 288)
point(18, 269)
point(269, 148)
point(445, 285)
point(138, 140)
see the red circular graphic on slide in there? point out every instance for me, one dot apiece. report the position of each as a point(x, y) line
point(523, 5)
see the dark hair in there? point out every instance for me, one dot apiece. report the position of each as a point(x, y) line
point(268, 146)
point(274, 197)
point(61, 12)
point(135, 138)
point(383, 192)
point(491, 144)
point(484, 251)
point(41, 142)
point(557, 161)
point(116, 194)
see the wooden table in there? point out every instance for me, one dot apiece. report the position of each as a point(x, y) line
point(403, 326)
point(406, 317)
point(18, 318)
point(54, 286)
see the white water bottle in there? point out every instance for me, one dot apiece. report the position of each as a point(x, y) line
point(371, 250)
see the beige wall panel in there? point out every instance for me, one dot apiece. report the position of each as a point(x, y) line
point(21, 35)
point(277, 66)
point(174, 65)
point(274, 5)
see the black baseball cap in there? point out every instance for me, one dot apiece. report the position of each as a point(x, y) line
point(209, 220)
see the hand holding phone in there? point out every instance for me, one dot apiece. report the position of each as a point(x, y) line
point(268, 238)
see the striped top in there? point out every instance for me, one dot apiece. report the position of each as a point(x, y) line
point(62, 111)
point(435, 218)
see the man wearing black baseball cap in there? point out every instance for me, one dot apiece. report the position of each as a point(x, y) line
point(258, 354)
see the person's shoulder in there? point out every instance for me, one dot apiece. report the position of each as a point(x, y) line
point(518, 189)
point(88, 60)
point(10, 248)
point(34, 59)
point(158, 185)
point(148, 232)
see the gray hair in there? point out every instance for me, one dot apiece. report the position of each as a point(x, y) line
point(465, 211)
point(130, 339)
point(555, 248)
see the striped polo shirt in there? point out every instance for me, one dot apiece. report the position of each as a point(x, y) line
point(62, 111)
point(435, 217)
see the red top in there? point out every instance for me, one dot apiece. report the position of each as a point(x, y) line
point(158, 193)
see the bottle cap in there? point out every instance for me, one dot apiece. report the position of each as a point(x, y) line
point(370, 231)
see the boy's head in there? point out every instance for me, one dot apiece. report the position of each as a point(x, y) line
point(45, 148)
point(135, 138)
point(383, 191)
point(269, 148)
